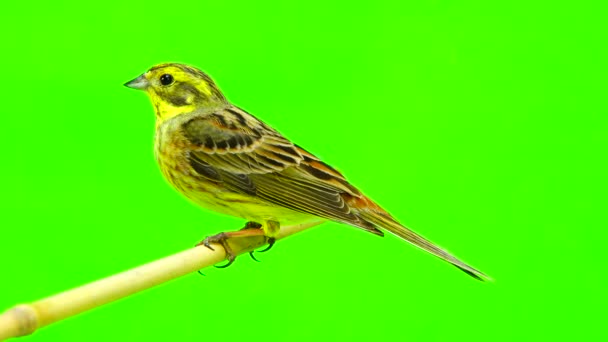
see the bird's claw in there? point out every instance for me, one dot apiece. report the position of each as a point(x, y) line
point(221, 239)
point(271, 242)
point(253, 256)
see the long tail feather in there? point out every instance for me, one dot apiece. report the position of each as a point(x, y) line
point(383, 220)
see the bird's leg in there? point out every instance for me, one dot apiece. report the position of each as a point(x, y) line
point(248, 225)
point(251, 224)
point(271, 229)
point(251, 229)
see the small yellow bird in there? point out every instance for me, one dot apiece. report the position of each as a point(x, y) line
point(225, 159)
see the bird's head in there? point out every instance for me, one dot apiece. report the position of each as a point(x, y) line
point(177, 88)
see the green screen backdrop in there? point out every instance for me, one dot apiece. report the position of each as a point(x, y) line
point(481, 125)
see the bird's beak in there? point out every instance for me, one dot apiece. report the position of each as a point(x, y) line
point(139, 83)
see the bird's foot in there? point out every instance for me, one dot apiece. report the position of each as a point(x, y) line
point(274, 227)
point(248, 225)
point(251, 229)
point(220, 239)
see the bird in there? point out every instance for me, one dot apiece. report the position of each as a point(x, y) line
point(225, 159)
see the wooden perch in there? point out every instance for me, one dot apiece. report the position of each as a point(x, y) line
point(24, 319)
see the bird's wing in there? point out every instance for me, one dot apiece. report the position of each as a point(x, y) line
point(234, 148)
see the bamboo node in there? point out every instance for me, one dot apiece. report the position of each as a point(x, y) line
point(25, 318)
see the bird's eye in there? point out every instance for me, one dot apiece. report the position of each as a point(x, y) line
point(166, 79)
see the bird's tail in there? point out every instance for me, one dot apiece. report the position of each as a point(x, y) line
point(378, 217)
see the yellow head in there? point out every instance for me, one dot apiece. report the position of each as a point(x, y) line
point(177, 88)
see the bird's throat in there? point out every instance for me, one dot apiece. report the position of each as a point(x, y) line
point(165, 110)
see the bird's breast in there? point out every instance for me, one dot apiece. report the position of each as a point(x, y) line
point(172, 157)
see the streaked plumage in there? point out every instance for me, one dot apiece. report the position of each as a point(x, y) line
point(225, 159)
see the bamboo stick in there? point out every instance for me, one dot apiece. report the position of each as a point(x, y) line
point(24, 319)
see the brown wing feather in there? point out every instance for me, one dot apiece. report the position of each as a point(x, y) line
point(247, 156)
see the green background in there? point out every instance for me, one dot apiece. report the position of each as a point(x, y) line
point(483, 126)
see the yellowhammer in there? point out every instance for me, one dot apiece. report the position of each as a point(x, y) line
point(225, 159)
